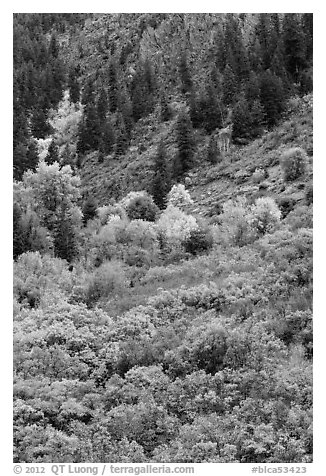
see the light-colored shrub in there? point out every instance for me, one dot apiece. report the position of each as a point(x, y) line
point(266, 215)
point(179, 196)
point(258, 175)
point(236, 222)
point(294, 163)
point(175, 224)
point(107, 280)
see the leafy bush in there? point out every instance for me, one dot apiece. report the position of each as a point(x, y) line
point(266, 215)
point(174, 226)
point(199, 241)
point(294, 163)
point(258, 175)
point(300, 217)
point(108, 279)
point(236, 222)
point(286, 205)
point(142, 208)
point(104, 213)
point(179, 196)
point(40, 279)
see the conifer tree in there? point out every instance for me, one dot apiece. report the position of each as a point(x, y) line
point(258, 120)
point(165, 110)
point(102, 106)
point(125, 108)
point(113, 86)
point(212, 112)
point(161, 180)
point(89, 130)
point(272, 96)
point(241, 118)
point(142, 90)
point(213, 153)
point(107, 140)
point(185, 77)
point(122, 139)
point(40, 126)
point(185, 143)
point(73, 86)
point(229, 85)
point(53, 153)
point(53, 46)
point(89, 209)
point(293, 40)
point(236, 54)
point(307, 27)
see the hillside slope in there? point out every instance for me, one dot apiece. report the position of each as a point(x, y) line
point(209, 185)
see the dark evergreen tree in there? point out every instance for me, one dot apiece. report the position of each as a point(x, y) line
point(89, 131)
point(32, 155)
point(185, 143)
point(40, 126)
point(307, 28)
point(65, 239)
point(107, 140)
point(142, 91)
point(165, 110)
point(102, 106)
point(258, 120)
point(241, 119)
point(212, 112)
point(18, 242)
point(53, 46)
point(196, 107)
point(230, 85)
point(53, 153)
point(125, 108)
point(89, 209)
point(113, 86)
point(236, 54)
point(122, 139)
point(252, 89)
point(213, 152)
point(263, 35)
point(272, 96)
point(184, 73)
point(88, 93)
point(25, 157)
point(73, 86)
point(161, 183)
point(293, 40)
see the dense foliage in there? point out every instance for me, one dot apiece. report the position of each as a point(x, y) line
point(172, 322)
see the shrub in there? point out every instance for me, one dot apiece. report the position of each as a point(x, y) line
point(266, 215)
point(300, 217)
point(179, 196)
point(258, 175)
point(176, 225)
point(104, 213)
point(142, 208)
point(236, 222)
point(293, 163)
point(199, 241)
point(286, 205)
point(109, 278)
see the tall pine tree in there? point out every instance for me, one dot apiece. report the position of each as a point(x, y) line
point(161, 183)
point(185, 143)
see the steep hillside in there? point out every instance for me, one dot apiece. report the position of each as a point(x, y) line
point(209, 185)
